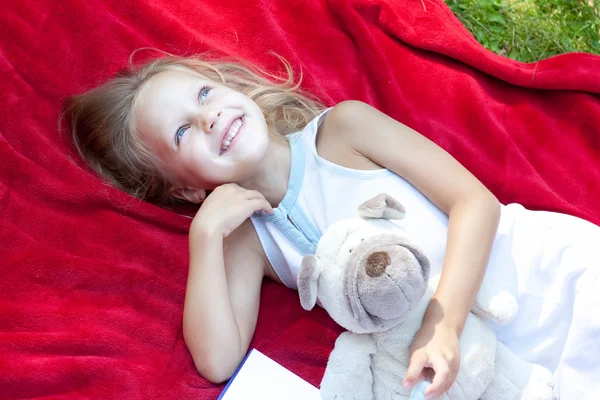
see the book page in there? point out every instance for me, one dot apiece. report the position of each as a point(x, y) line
point(259, 377)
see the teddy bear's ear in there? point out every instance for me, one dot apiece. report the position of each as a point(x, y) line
point(382, 206)
point(307, 281)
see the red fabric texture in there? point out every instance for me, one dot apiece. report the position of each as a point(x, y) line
point(92, 281)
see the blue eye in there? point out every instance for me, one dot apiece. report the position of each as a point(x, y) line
point(203, 93)
point(180, 133)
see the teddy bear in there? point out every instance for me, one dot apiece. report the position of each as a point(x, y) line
point(375, 284)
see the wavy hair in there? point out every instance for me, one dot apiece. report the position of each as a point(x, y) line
point(102, 122)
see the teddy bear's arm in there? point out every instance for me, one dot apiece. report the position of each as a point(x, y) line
point(348, 374)
point(495, 302)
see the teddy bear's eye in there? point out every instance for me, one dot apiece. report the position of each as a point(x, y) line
point(350, 251)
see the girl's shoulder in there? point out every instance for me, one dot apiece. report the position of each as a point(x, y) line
point(335, 138)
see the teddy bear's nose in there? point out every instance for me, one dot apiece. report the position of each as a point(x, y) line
point(376, 264)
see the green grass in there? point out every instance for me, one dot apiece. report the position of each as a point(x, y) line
point(529, 30)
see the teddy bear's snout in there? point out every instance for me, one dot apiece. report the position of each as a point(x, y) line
point(377, 263)
point(384, 278)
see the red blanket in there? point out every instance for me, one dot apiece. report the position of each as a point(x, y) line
point(92, 281)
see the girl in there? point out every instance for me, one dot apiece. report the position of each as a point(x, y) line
point(272, 168)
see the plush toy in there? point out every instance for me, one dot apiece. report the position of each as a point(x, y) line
point(375, 283)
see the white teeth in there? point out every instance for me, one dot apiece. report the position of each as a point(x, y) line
point(233, 131)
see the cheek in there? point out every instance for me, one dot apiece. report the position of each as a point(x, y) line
point(258, 144)
point(255, 141)
point(193, 164)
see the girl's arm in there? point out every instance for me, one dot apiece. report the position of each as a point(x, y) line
point(473, 211)
point(223, 287)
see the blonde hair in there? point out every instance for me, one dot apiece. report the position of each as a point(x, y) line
point(104, 132)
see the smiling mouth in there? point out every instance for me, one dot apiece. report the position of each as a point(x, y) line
point(231, 134)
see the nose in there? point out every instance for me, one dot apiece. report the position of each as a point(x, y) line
point(209, 120)
point(377, 263)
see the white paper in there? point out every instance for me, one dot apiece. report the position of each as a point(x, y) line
point(264, 379)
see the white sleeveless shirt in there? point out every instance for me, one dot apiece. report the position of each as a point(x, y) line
point(541, 257)
point(321, 193)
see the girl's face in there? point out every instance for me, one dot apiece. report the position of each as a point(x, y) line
point(205, 133)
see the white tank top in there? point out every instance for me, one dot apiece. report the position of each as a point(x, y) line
point(321, 193)
point(543, 258)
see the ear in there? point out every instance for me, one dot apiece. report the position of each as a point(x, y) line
point(307, 281)
point(382, 206)
point(188, 194)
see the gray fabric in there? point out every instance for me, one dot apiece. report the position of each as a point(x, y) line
point(382, 206)
point(382, 300)
point(423, 260)
point(307, 282)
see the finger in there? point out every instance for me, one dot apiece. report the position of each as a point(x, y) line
point(415, 368)
point(442, 380)
point(268, 208)
point(232, 186)
point(253, 194)
point(261, 204)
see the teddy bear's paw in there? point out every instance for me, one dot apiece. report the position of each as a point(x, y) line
point(540, 386)
point(538, 391)
point(504, 306)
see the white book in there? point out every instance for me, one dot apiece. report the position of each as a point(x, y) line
point(259, 377)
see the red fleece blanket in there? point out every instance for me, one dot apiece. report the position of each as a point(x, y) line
point(92, 281)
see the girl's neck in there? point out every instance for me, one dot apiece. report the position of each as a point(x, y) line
point(272, 180)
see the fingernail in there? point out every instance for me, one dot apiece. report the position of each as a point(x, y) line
point(407, 384)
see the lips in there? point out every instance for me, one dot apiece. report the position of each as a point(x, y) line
point(229, 132)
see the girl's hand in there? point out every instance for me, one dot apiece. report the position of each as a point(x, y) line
point(435, 353)
point(226, 208)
